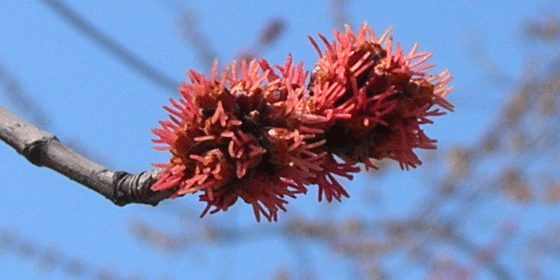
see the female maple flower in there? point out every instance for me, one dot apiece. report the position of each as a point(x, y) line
point(375, 97)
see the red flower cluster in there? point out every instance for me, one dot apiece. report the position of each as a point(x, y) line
point(263, 133)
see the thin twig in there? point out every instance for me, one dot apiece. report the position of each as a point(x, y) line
point(124, 55)
point(44, 149)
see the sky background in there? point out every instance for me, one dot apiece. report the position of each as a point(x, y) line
point(105, 109)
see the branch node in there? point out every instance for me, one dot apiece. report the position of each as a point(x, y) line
point(34, 150)
point(137, 188)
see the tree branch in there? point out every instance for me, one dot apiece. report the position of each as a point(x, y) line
point(44, 149)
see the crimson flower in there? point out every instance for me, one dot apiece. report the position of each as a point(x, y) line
point(263, 133)
point(375, 97)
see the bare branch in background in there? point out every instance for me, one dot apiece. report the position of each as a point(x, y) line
point(189, 27)
point(478, 53)
point(366, 242)
point(48, 259)
point(20, 99)
point(190, 31)
point(119, 52)
point(547, 30)
point(158, 238)
point(44, 149)
point(340, 17)
point(269, 35)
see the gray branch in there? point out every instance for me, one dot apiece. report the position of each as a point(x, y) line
point(44, 149)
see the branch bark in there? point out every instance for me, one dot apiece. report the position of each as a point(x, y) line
point(44, 149)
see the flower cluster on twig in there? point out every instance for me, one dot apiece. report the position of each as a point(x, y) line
point(263, 133)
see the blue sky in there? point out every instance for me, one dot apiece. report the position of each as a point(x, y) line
point(106, 110)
